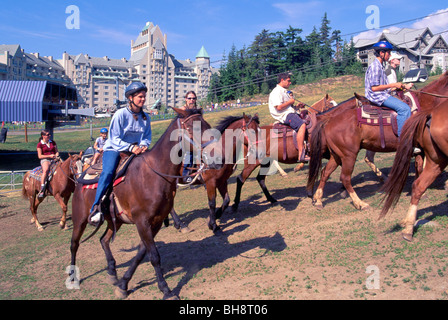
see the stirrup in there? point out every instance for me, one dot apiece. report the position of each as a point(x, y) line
point(97, 215)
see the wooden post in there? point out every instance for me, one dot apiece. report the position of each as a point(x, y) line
point(26, 132)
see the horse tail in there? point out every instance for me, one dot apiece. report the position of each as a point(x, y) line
point(397, 178)
point(24, 193)
point(316, 154)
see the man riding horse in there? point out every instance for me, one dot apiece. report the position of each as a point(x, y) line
point(378, 89)
point(282, 109)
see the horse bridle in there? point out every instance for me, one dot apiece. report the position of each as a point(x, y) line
point(71, 170)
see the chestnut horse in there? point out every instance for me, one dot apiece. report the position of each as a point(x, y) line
point(60, 187)
point(434, 143)
point(342, 137)
point(325, 104)
point(146, 197)
point(243, 132)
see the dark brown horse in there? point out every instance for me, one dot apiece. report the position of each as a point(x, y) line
point(275, 150)
point(235, 134)
point(434, 143)
point(341, 138)
point(145, 197)
point(60, 187)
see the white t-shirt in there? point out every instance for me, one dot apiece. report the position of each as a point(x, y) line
point(278, 96)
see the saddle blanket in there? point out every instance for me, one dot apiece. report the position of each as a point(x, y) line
point(36, 173)
point(95, 185)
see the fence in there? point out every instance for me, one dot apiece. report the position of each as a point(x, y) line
point(11, 180)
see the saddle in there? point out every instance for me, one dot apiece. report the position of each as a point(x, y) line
point(283, 131)
point(373, 115)
point(89, 178)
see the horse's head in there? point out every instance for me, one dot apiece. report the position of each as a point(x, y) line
point(324, 104)
point(236, 138)
point(193, 128)
point(76, 164)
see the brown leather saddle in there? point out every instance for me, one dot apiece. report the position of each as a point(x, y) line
point(283, 131)
point(91, 175)
point(373, 115)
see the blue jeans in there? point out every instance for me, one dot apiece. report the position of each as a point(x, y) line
point(110, 163)
point(402, 109)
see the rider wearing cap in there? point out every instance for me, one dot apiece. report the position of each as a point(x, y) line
point(129, 131)
point(99, 145)
point(377, 87)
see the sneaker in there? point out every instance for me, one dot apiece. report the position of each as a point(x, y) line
point(96, 216)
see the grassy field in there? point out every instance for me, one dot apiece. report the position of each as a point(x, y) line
point(289, 251)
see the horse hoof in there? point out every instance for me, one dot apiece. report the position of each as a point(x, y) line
point(63, 226)
point(120, 293)
point(185, 230)
point(40, 228)
point(408, 237)
point(171, 296)
point(318, 206)
point(112, 279)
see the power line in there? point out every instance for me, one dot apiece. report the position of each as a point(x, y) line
point(301, 69)
point(353, 33)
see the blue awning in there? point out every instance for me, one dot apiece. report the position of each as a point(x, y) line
point(21, 100)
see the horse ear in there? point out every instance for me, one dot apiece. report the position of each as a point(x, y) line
point(326, 96)
point(81, 153)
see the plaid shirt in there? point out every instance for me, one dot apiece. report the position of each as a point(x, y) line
point(375, 76)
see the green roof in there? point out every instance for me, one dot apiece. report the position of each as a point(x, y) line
point(202, 53)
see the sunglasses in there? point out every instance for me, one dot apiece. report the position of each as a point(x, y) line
point(191, 98)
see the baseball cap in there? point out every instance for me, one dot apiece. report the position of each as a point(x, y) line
point(395, 55)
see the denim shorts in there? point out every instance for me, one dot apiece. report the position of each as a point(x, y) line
point(294, 121)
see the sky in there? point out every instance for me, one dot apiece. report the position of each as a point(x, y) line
point(105, 28)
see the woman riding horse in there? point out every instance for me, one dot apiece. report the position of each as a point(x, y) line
point(130, 130)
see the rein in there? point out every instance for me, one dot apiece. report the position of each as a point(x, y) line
point(430, 93)
point(71, 170)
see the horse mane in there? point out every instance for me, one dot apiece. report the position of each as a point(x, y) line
point(227, 121)
point(335, 107)
point(189, 112)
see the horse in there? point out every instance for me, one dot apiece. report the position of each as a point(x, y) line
point(242, 132)
point(61, 187)
point(145, 198)
point(434, 143)
point(281, 154)
point(341, 137)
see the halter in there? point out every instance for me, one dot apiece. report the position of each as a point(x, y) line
point(72, 171)
point(181, 125)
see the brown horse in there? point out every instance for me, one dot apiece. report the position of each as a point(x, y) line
point(145, 197)
point(60, 187)
point(243, 132)
point(342, 138)
point(275, 147)
point(434, 143)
